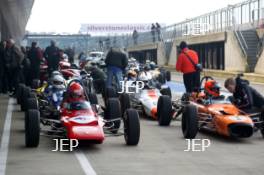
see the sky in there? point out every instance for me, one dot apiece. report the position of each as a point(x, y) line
point(61, 16)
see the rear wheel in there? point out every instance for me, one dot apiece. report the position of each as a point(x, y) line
point(32, 103)
point(161, 78)
point(32, 128)
point(124, 102)
point(25, 95)
point(110, 92)
point(131, 127)
point(93, 98)
point(168, 75)
point(164, 110)
point(166, 91)
point(35, 84)
point(113, 112)
point(19, 92)
point(262, 124)
point(190, 122)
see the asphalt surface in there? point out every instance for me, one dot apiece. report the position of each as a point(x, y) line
point(160, 152)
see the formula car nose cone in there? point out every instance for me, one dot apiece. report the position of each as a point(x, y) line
point(240, 130)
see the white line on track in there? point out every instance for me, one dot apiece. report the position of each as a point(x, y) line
point(85, 164)
point(6, 136)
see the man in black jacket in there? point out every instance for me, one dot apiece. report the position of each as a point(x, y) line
point(3, 88)
point(35, 56)
point(245, 97)
point(116, 62)
point(52, 56)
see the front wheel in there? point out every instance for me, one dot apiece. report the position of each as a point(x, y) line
point(131, 127)
point(190, 122)
point(32, 128)
point(164, 110)
point(124, 102)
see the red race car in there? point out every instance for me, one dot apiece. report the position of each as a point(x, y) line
point(81, 118)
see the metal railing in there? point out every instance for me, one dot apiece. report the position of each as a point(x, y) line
point(240, 16)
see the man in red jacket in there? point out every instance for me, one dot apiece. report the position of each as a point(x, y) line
point(191, 77)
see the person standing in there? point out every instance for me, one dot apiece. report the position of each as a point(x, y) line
point(186, 63)
point(116, 62)
point(35, 56)
point(70, 51)
point(153, 31)
point(52, 56)
point(158, 31)
point(14, 58)
point(135, 37)
point(2, 67)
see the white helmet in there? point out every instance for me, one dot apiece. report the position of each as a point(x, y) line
point(54, 73)
point(58, 82)
point(145, 76)
point(65, 57)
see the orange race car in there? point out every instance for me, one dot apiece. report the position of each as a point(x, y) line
point(209, 110)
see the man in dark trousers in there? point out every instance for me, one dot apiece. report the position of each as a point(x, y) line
point(35, 56)
point(153, 32)
point(185, 64)
point(158, 28)
point(2, 67)
point(52, 56)
point(13, 60)
point(116, 62)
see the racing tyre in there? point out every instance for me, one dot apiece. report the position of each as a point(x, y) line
point(35, 84)
point(93, 98)
point(110, 92)
point(131, 127)
point(25, 95)
point(161, 78)
point(262, 124)
point(32, 103)
point(166, 91)
point(19, 92)
point(113, 111)
point(164, 110)
point(190, 122)
point(32, 128)
point(124, 102)
point(168, 75)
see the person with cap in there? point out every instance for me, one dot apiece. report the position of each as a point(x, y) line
point(187, 64)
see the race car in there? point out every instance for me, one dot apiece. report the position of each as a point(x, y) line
point(81, 117)
point(158, 73)
point(146, 99)
point(209, 110)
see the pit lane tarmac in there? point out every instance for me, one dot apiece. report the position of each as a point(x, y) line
point(160, 151)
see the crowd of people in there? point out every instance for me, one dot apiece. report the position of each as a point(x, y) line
point(22, 65)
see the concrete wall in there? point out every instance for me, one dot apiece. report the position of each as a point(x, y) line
point(194, 40)
point(234, 58)
point(259, 69)
point(14, 17)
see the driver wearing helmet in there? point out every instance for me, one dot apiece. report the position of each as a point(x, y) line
point(56, 89)
point(212, 89)
point(74, 93)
